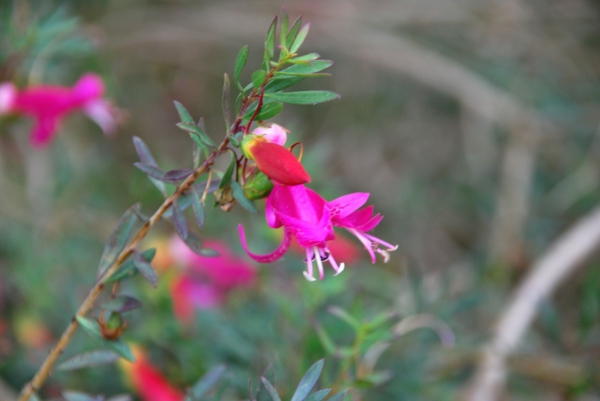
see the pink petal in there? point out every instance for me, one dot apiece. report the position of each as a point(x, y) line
point(102, 113)
point(344, 205)
point(88, 87)
point(8, 94)
point(274, 134)
point(268, 258)
point(44, 130)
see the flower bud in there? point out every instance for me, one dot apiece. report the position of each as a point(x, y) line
point(275, 161)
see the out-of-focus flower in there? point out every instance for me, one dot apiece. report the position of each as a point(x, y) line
point(147, 381)
point(265, 147)
point(205, 282)
point(309, 218)
point(49, 104)
point(32, 333)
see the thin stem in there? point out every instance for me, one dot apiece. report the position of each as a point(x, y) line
point(44, 370)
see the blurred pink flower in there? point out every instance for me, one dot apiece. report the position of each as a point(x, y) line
point(274, 134)
point(309, 218)
point(49, 104)
point(205, 282)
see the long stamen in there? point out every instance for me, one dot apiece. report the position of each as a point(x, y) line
point(365, 241)
point(319, 264)
point(308, 274)
point(389, 246)
point(338, 268)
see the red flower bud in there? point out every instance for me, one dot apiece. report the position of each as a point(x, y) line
point(275, 161)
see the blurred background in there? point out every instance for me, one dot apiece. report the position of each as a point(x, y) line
point(473, 124)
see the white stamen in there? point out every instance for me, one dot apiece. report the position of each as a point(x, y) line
point(309, 277)
point(385, 254)
point(340, 269)
point(319, 264)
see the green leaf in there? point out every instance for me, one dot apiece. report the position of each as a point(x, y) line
point(197, 130)
point(261, 393)
point(195, 245)
point(78, 396)
point(270, 389)
point(151, 171)
point(319, 395)
point(268, 110)
point(258, 78)
point(198, 208)
point(284, 28)
point(311, 68)
point(226, 100)
point(117, 240)
point(145, 268)
point(306, 57)
point(127, 269)
point(226, 179)
point(179, 221)
point(177, 175)
point(325, 339)
point(308, 381)
point(184, 115)
point(300, 38)
point(304, 97)
point(206, 383)
point(143, 152)
point(291, 36)
point(92, 327)
point(238, 194)
point(296, 73)
point(122, 303)
point(89, 359)
point(240, 63)
point(270, 41)
point(338, 396)
point(345, 316)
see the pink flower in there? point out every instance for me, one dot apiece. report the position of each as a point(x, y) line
point(309, 218)
point(48, 105)
point(274, 134)
point(206, 281)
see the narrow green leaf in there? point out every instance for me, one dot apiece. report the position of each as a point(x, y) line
point(240, 63)
point(184, 115)
point(271, 390)
point(280, 83)
point(195, 245)
point(294, 74)
point(78, 396)
point(306, 57)
point(304, 97)
point(198, 208)
point(308, 381)
point(206, 383)
point(338, 396)
point(177, 175)
point(195, 129)
point(312, 67)
point(226, 100)
point(238, 194)
point(117, 240)
point(345, 316)
point(258, 78)
point(226, 179)
point(92, 327)
point(261, 393)
point(151, 171)
point(270, 41)
point(269, 109)
point(184, 202)
point(238, 100)
point(145, 268)
point(319, 395)
point(284, 28)
point(143, 152)
point(301, 75)
point(122, 303)
point(291, 36)
point(325, 339)
point(179, 221)
point(88, 359)
point(300, 38)
point(127, 269)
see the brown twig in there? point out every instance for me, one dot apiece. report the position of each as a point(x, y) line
point(567, 253)
point(44, 370)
